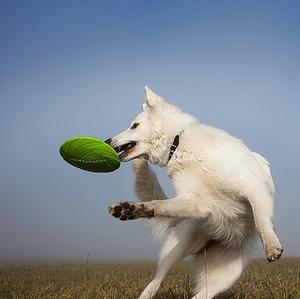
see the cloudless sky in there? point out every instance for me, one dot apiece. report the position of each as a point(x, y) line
point(71, 68)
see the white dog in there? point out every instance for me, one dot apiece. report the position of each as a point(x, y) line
point(224, 194)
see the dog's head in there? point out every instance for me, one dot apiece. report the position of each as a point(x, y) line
point(151, 133)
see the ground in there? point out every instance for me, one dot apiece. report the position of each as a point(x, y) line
point(261, 280)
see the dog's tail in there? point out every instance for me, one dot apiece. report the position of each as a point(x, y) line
point(148, 188)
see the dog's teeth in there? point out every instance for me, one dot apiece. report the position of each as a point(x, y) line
point(124, 147)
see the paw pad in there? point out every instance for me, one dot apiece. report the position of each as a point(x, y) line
point(123, 210)
point(130, 210)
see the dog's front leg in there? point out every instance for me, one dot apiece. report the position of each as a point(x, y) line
point(176, 207)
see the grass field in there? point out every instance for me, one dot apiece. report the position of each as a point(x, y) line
point(126, 280)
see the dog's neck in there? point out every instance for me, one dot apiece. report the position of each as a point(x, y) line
point(165, 140)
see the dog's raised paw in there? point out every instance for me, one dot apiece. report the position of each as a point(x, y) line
point(122, 210)
point(274, 253)
point(130, 210)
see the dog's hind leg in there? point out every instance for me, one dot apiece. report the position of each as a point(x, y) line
point(219, 267)
point(262, 206)
point(184, 239)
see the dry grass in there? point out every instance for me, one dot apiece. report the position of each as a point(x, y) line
point(261, 280)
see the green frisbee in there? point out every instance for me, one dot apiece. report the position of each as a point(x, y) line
point(89, 153)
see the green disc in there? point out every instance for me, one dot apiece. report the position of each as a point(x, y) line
point(91, 154)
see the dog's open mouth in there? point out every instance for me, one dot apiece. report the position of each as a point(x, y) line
point(125, 149)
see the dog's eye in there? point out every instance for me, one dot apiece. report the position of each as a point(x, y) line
point(134, 126)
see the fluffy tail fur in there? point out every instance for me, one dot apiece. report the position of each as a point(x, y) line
point(218, 267)
point(148, 188)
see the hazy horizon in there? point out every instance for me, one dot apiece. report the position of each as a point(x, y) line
point(79, 68)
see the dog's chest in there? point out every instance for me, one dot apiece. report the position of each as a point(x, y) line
point(197, 177)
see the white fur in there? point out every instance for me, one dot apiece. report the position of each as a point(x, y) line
point(224, 194)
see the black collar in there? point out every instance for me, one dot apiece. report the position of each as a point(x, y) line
point(173, 147)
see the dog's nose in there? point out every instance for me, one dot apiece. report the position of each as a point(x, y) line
point(108, 141)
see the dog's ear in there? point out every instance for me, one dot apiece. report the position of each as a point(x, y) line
point(152, 99)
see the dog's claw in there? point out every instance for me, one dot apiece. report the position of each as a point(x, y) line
point(129, 211)
point(274, 253)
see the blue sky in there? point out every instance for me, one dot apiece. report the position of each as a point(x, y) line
point(71, 68)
